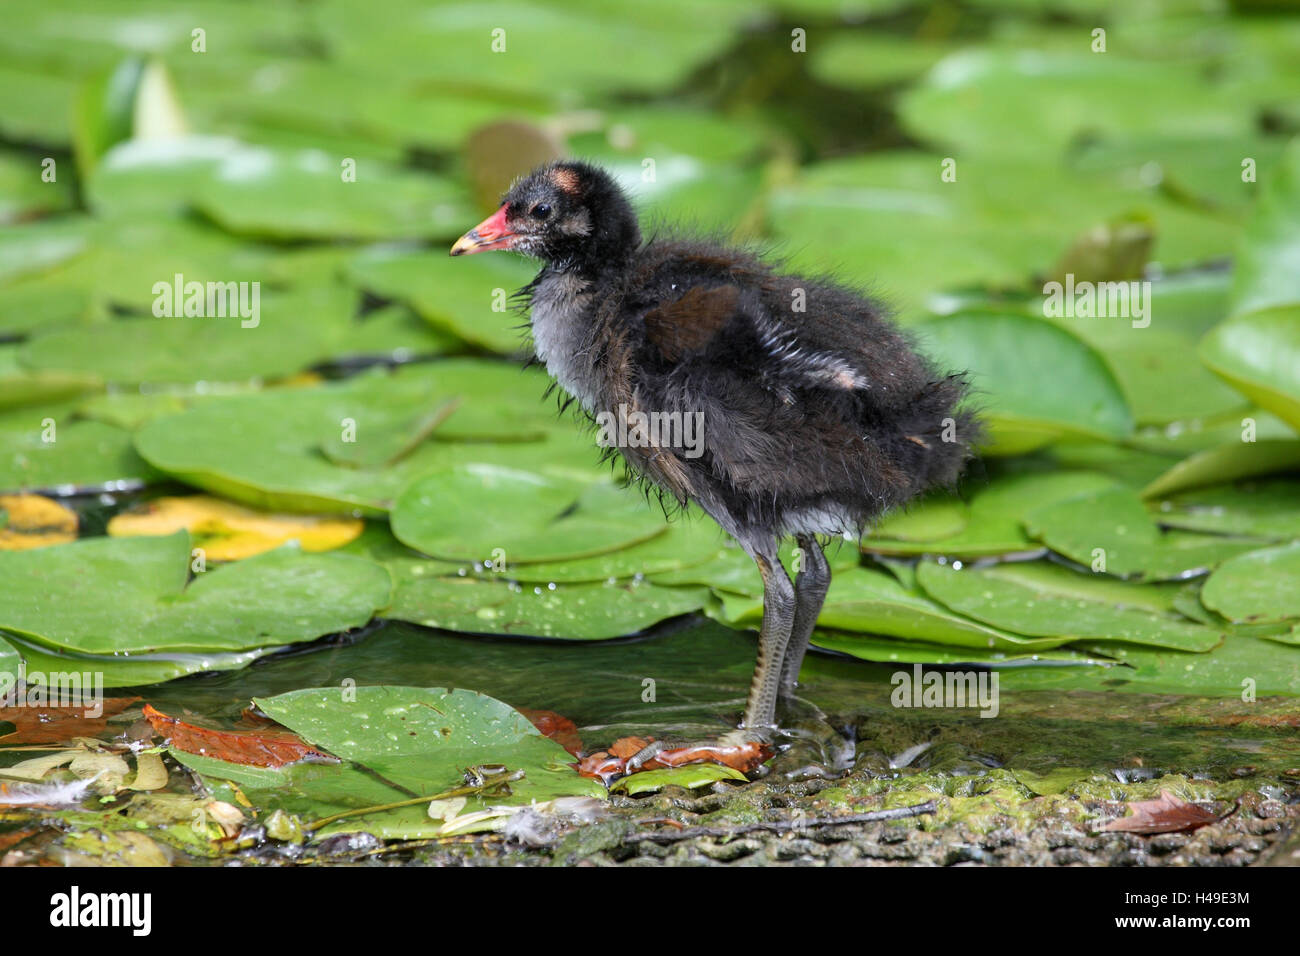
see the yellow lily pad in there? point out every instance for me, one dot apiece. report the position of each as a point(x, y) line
point(34, 521)
point(227, 531)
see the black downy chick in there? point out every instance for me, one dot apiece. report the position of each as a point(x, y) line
point(817, 415)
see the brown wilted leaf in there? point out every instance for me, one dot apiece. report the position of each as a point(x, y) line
point(1166, 814)
point(263, 748)
point(560, 729)
point(601, 766)
point(743, 757)
point(609, 765)
point(57, 725)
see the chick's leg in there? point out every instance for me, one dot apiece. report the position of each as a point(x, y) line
point(811, 583)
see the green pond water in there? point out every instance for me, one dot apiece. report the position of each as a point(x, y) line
point(700, 673)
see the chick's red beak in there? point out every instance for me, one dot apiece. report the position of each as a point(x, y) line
point(491, 233)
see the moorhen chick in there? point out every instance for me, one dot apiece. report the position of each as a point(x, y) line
point(817, 414)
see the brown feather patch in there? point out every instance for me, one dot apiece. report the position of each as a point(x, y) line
point(689, 323)
point(566, 180)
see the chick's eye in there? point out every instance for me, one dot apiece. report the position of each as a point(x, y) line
point(541, 211)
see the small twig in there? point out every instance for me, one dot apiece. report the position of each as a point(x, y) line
point(784, 826)
point(488, 784)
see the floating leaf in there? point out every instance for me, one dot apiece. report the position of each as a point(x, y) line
point(259, 748)
point(1268, 261)
point(467, 514)
point(1258, 353)
point(580, 612)
point(1047, 600)
point(84, 455)
point(934, 519)
point(228, 532)
point(1262, 509)
point(981, 99)
point(874, 601)
point(38, 721)
point(250, 337)
point(466, 297)
point(423, 739)
point(272, 449)
point(691, 776)
point(994, 516)
point(1239, 459)
point(1111, 531)
point(1067, 390)
point(130, 595)
point(136, 670)
point(1260, 586)
point(33, 521)
point(886, 650)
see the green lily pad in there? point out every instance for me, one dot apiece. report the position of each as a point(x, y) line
point(465, 514)
point(137, 670)
point(932, 520)
point(982, 100)
point(24, 195)
point(637, 131)
point(1258, 353)
point(468, 297)
point(22, 386)
point(85, 455)
point(732, 571)
point(313, 791)
point(987, 222)
point(1238, 459)
point(129, 595)
point(1240, 663)
point(1257, 587)
point(1132, 467)
point(279, 449)
point(1268, 260)
point(994, 527)
point(424, 738)
point(1114, 527)
point(419, 740)
point(1263, 509)
point(875, 602)
point(876, 59)
point(277, 194)
point(1066, 390)
point(578, 612)
point(1158, 371)
point(1047, 600)
point(548, 48)
point(35, 105)
point(305, 196)
point(9, 657)
point(686, 542)
point(1190, 436)
point(885, 650)
point(39, 246)
point(692, 777)
point(283, 334)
